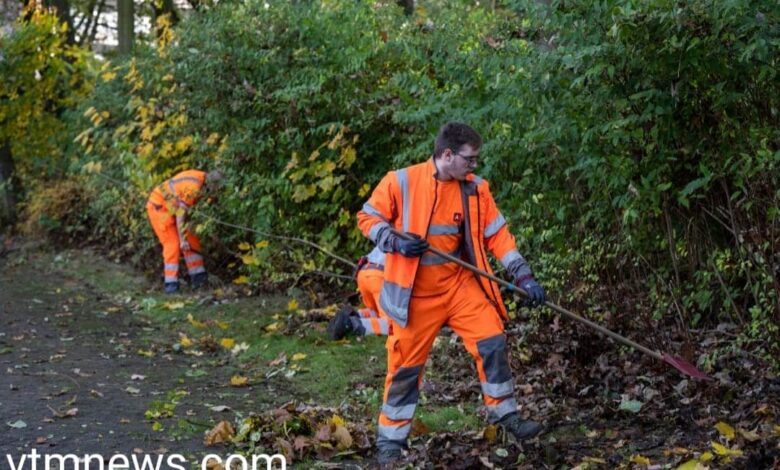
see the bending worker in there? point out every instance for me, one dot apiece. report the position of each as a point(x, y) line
point(369, 320)
point(167, 209)
point(444, 205)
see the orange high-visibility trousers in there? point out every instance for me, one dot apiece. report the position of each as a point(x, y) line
point(164, 225)
point(373, 321)
point(469, 313)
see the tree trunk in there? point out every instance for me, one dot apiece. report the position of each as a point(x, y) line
point(62, 8)
point(126, 18)
point(7, 186)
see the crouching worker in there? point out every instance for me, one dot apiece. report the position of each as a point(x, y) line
point(167, 208)
point(370, 320)
point(449, 208)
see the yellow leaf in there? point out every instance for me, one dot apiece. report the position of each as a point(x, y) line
point(173, 305)
point(364, 190)
point(145, 353)
point(183, 143)
point(292, 305)
point(239, 381)
point(108, 76)
point(272, 327)
point(144, 150)
point(298, 357)
point(751, 436)
point(640, 459)
point(222, 325)
point(89, 112)
point(194, 322)
point(184, 340)
point(336, 420)
point(228, 343)
point(244, 246)
point(722, 450)
point(692, 464)
point(262, 244)
point(705, 457)
point(777, 431)
point(250, 260)
point(725, 430)
point(241, 280)
point(212, 138)
point(157, 426)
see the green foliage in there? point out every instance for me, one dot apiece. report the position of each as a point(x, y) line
point(40, 77)
point(632, 146)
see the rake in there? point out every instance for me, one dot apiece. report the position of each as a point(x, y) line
point(677, 362)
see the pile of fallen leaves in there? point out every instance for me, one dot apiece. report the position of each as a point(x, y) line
point(297, 431)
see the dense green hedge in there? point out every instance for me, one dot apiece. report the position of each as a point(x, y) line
point(632, 145)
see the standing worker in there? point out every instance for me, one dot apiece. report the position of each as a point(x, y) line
point(443, 205)
point(167, 209)
point(370, 320)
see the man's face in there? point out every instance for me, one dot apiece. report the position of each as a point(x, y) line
point(460, 163)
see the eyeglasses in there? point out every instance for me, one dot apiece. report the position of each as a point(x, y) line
point(470, 160)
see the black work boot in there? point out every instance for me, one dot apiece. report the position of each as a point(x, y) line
point(199, 280)
point(386, 457)
point(520, 428)
point(341, 325)
point(171, 287)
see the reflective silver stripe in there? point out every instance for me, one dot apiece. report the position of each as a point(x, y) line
point(497, 412)
point(509, 257)
point(368, 330)
point(494, 226)
point(374, 232)
point(393, 433)
point(443, 230)
point(430, 259)
point(384, 326)
point(376, 256)
point(192, 258)
point(370, 210)
point(397, 413)
point(197, 270)
point(477, 179)
point(498, 390)
point(403, 183)
point(368, 326)
point(394, 299)
point(171, 279)
point(168, 267)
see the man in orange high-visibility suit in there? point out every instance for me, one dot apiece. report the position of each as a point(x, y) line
point(167, 208)
point(445, 206)
point(369, 320)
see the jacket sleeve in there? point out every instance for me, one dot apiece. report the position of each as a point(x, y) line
point(500, 241)
point(379, 213)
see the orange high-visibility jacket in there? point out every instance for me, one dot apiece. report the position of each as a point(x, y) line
point(404, 200)
point(179, 191)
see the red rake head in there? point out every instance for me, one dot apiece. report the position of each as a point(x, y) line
point(685, 367)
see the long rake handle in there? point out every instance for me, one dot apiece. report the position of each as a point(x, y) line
point(557, 308)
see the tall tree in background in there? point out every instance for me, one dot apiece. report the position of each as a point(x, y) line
point(125, 23)
point(62, 9)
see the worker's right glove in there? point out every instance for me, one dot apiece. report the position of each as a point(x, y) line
point(410, 248)
point(535, 292)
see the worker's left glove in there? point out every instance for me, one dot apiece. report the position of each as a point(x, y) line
point(535, 291)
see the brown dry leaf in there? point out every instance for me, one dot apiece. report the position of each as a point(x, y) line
point(323, 433)
point(300, 443)
point(751, 436)
point(239, 381)
point(222, 432)
point(280, 359)
point(419, 428)
point(343, 438)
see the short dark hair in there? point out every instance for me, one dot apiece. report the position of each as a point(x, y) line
point(453, 136)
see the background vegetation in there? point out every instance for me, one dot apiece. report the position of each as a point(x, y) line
point(632, 146)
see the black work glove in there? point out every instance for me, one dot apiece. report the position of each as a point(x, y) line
point(410, 248)
point(533, 289)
